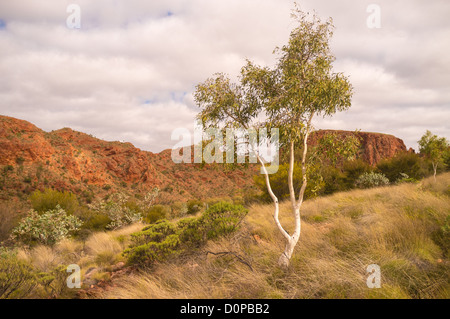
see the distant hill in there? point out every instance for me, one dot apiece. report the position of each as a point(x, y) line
point(374, 146)
point(31, 158)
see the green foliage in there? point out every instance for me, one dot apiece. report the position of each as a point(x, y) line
point(149, 199)
point(352, 170)
point(372, 179)
point(333, 179)
point(278, 182)
point(447, 160)
point(435, 148)
point(46, 228)
point(96, 221)
point(118, 210)
point(405, 179)
point(194, 206)
point(179, 208)
point(17, 278)
point(54, 281)
point(153, 243)
point(221, 219)
point(407, 163)
point(301, 85)
point(20, 160)
point(164, 239)
point(441, 237)
point(334, 148)
point(49, 199)
point(155, 213)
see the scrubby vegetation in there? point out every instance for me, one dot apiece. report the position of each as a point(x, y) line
point(47, 228)
point(217, 253)
point(403, 229)
point(163, 239)
point(328, 177)
point(372, 179)
point(211, 248)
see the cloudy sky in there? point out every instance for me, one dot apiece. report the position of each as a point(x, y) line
point(129, 71)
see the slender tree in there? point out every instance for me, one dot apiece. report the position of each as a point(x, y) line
point(434, 148)
point(300, 86)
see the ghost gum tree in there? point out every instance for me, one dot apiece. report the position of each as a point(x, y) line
point(288, 96)
point(435, 148)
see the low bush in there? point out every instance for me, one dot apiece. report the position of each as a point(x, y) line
point(353, 170)
point(178, 209)
point(372, 179)
point(49, 199)
point(194, 206)
point(47, 228)
point(407, 163)
point(155, 213)
point(96, 221)
point(163, 239)
point(279, 185)
point(404, 178)
point(118, 210)
point(17, 278)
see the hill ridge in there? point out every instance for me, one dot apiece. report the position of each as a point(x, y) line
point(66, 159)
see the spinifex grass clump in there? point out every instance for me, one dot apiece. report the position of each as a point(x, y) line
point(163, 239)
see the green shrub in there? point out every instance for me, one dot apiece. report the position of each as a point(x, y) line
point(164, 239)
point(156, 212)
point(54, 282)
point(49, 199)
point(333, 180)
point(192, 234)
point(407, 163)
point(279, 182)
point(222, 219)
point(153, 243)
point(20, 160)
point(404, 178)
point(353, 170)
point(47, 228)
point(372, 179)
point(17, 278)
point(179, 209)
point(194, 206)
point(96, 221)
point(118, 209)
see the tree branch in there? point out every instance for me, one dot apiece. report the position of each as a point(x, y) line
point(237, 256)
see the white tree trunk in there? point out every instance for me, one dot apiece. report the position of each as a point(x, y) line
point(291, 240)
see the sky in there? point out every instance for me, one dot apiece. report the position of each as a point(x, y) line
point(129, 71)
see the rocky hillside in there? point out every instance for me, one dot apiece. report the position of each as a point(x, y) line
point(31, 158)
point(374, 146)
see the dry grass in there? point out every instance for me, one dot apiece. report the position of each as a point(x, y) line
point(101, 250)
point(400, 228)
point(395, 227)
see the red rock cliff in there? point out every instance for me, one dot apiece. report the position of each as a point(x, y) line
point(374, 146)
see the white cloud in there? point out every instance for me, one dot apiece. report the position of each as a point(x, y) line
point(129, 72)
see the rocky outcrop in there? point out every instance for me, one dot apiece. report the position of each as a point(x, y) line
point(374, 146)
